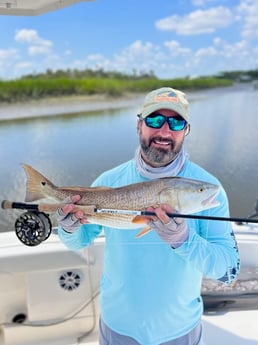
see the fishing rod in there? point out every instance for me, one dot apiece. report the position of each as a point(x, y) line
point(178, 215)
point(91, 209)
point(34, 226)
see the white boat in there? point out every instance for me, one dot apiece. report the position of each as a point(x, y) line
point(49, 294)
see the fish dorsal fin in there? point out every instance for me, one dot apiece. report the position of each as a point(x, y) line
point(83, 189)
point(101, 188)
point(75, 188)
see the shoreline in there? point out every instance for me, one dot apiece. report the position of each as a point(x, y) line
point(66, 105)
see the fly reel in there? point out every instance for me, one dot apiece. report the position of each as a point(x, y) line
point(33, 227)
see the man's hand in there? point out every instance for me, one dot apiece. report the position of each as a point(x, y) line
point(174, 231)
point(70, 221)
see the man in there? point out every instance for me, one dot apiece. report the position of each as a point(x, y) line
point(150, 289)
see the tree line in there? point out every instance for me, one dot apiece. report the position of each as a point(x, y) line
point(88, 82)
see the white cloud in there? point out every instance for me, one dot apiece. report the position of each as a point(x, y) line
point(26, 35)
point(39, 50)
point(197, 22)
point(8, 54)
point(176, 49)
point(204, 52)
point(217, 41)
point(140, 56)
point(236, 50)
point(36, 45)
point(139, 49)
point(247, 12)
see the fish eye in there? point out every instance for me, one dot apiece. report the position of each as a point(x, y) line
point(43, 183)
point(201, 190)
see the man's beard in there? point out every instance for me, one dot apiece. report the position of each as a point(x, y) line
point(158, 156)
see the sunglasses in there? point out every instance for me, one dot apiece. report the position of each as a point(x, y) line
point(158, 120)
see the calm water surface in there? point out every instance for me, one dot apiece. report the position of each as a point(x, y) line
point(75, 149)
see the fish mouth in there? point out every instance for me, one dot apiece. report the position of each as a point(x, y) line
point(211, 201)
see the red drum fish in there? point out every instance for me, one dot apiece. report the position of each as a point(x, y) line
point(182, 194)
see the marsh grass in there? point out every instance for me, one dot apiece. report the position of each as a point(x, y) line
point(37, 88)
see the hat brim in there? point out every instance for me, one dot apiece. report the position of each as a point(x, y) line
point(165, 105)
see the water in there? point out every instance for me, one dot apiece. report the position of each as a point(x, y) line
point(75, 149)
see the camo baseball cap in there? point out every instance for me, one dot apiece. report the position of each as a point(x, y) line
point(166, 98)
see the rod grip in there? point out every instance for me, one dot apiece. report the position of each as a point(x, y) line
point(6, 204)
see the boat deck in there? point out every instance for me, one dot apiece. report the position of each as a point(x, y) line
point(32, 286)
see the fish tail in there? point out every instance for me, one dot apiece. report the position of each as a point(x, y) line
point(36, 185)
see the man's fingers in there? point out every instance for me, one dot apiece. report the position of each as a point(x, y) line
point(79, 214)
point(67, 208)
point(69, 203)
point(75, 198)
point(71, 199)
point(160, 214)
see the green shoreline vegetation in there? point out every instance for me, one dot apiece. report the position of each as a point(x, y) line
point(88, 82)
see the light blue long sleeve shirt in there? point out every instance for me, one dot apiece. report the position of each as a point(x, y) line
point(150, 291)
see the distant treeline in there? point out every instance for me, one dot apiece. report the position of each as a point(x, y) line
point(100, 73)
point(88, 82)
point(240, 75)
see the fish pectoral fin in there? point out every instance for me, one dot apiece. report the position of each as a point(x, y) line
point(144, 232)
point(142, 220)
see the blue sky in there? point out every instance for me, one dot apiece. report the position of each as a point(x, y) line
point(171, 38)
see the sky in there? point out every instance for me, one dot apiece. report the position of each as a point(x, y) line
point(169, 38)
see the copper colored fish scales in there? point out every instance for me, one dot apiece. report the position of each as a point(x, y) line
point(182, 194)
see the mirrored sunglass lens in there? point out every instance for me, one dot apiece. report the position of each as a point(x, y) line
point(155, 121)
point(176, 124)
